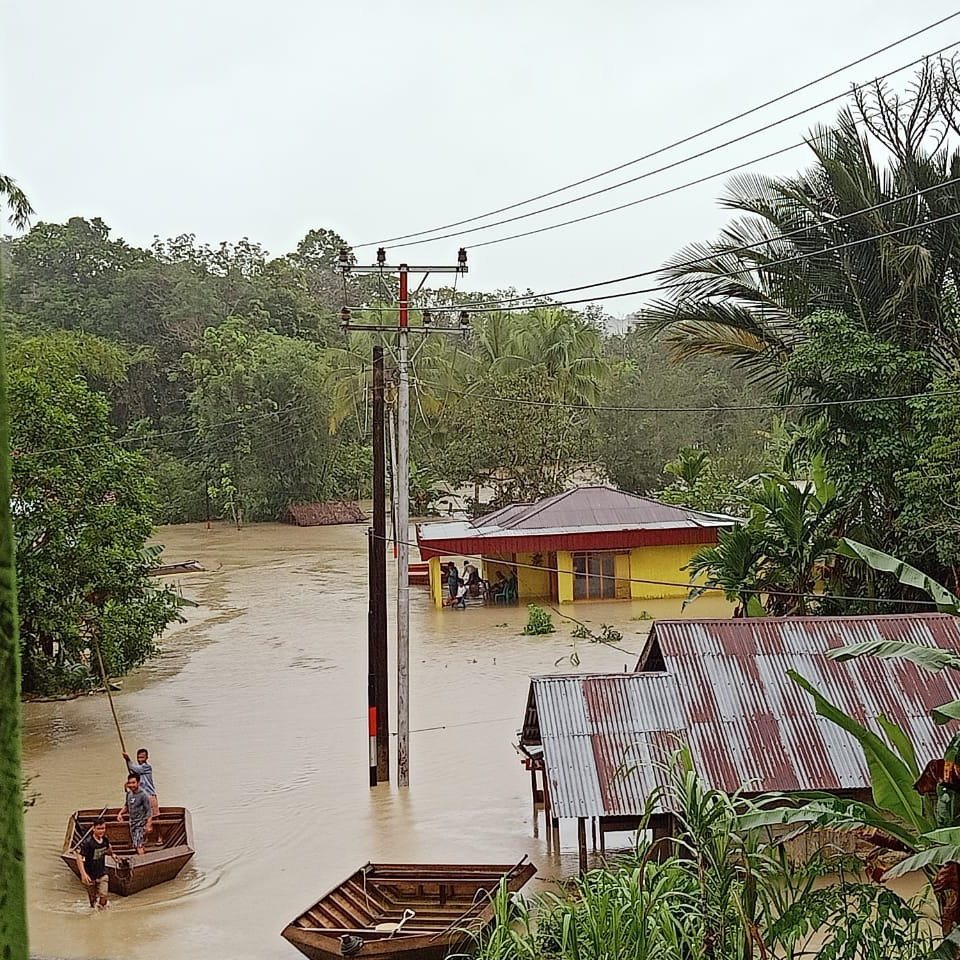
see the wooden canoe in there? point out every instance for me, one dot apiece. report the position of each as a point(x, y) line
point(168, 849)
point(444, 904)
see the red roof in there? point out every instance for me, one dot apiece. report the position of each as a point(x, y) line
point(721, 686)
point(598, 518)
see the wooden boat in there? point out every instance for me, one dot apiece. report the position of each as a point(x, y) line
point(168, 849)
point(403, 911)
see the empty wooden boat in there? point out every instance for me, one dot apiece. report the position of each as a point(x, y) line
point(168, 848)
point(403, 911)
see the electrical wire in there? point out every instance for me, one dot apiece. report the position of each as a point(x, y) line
point(660, 288)
point(123, 441)
point(733, 408)
point(667, 147)
point(670, 166)
point(727, 251)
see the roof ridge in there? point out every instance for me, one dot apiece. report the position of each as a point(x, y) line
point(542, 505)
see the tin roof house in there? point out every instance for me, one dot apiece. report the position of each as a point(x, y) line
point(590, 543)
point(601, 744)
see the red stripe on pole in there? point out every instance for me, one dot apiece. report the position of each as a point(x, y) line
point(373, 721)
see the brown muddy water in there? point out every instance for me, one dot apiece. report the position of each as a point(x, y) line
point(255, 718)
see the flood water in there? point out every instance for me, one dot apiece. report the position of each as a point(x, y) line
point(255, 718)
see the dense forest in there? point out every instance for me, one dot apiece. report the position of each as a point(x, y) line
point(800, 372)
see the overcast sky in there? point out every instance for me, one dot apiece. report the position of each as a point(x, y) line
point(234, 118)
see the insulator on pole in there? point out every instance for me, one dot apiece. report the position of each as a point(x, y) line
point(427, 318)
point(464, 318)
point(381, 256)
point(345, 315)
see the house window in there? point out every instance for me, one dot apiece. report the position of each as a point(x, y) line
point(594, 576)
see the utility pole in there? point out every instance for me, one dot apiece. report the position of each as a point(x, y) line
point(380, 719)
point(402, 476)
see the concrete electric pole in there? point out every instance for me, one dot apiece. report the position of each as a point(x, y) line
point(402, 329)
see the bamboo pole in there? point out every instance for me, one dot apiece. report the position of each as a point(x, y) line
point(106, 686)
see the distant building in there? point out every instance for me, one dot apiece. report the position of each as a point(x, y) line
point(599, 745)
point(591, 543)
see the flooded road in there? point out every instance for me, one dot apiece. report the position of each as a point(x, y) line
point(255, 718)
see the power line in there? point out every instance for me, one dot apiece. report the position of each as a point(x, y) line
point(660, 288)
point(670, 146)
point(491, 304)
point(733, 408)
point(650, 173)
point(123, 441)
point(608, 210)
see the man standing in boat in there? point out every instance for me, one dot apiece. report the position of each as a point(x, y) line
point(92, 861)
point(143, 770)
point(137, 807)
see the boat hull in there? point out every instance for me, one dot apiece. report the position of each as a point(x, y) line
point(438, 907)
point(168, 850)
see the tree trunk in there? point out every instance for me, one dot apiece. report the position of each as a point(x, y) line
point(13, 900)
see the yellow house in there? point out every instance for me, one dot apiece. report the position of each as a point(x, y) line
point(591, 543)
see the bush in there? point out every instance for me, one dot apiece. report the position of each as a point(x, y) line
point(538, 621)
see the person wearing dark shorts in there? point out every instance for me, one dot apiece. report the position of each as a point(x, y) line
point(145, 771)
point(137, 807)
point(92, 861)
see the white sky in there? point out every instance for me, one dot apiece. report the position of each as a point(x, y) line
point(230, 118)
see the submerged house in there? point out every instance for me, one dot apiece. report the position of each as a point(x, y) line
point(591, 543)
point(598, 745)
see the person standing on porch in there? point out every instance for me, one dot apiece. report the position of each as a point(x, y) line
point(453, 580)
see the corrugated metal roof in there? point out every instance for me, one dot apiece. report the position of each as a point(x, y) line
point(597, 512)
point(726, 694)
point(599, 507)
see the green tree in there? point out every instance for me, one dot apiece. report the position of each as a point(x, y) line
point(513, 438)
point(13, 884)
point(260, 409)
point(635, 445)
point(777, 561)
point(83, 510)
point(13, 901)
point(749, 305)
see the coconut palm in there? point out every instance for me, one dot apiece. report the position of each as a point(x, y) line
point(749, 305)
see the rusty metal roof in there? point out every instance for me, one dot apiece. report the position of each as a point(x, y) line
point(726, 693)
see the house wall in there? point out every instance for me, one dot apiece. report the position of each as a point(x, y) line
point(660, 563)
point(533, 584)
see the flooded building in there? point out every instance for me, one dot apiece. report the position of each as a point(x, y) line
point(598, 746)
point(591, 543)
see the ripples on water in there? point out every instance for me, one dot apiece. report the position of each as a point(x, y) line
point(255, 717)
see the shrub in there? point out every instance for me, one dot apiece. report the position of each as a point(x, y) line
point(538, 621)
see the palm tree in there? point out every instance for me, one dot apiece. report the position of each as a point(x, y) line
point(16, 200)
point(13, 902)
point(749, 305)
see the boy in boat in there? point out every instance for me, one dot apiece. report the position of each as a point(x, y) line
point(143, 769)
point(92, 861)
point(137, 807)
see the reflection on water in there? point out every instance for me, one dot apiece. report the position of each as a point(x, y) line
point(255, 717)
